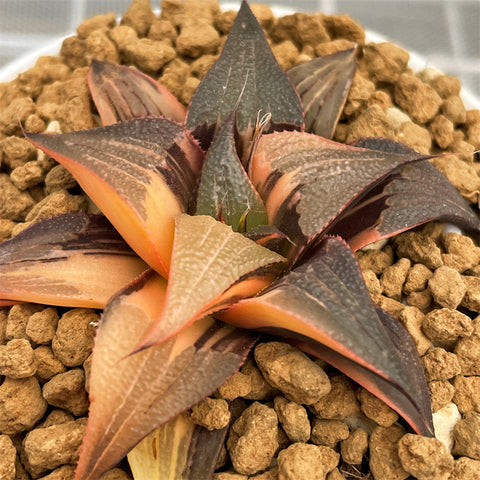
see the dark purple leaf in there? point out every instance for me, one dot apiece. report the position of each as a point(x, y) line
point(411, 195)
point(307, 181)
point(246, 74)
point(323, 84)
point(326, 300)
point(122, 93)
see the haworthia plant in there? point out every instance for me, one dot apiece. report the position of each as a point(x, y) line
point(237, 219)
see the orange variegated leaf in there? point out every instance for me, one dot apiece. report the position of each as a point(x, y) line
point(405, 199)
point(307, 181)
point(140, 173)
point(74, 260)
point(122, 93)
point(212, 267)
point(131, 395)
point(325, 303)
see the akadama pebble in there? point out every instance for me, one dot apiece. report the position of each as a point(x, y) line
point(303, 461)
point(465, 436)
point(17, 359)
point(328, 432)
point(440, 364)
point(48, 448)
point(354, 447)
point(465, 469)
point(252, 440)
point(294, 419)
point(21, 405)
point(467, 393)
point(425, 458)
point(383, 447)
point(447, 287)
point(67, 391)
point(7, 458)
point(292, 372)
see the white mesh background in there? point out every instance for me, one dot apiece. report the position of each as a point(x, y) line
point(445, 32)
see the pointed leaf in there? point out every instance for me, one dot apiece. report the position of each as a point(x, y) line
point(307, 181)
point(225, 190)
point(179, 449)
point(389, 392)
point(408, 197)
point(122, 93)
point(212, 267)
point(323, 84)
point(74, 260)
point(246, 70)
point(326, 300)
point(131, 395)
point(140, 173)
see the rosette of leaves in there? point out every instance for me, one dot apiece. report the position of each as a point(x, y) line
point(235, 218)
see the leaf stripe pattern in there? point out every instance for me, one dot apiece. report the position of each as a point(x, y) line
point(323, 84)
point(122, 93)
point(140, 173)
point(295, 172)
point(134, 394)
point(246, 69)
point(75, 260)
point(223, 267)
point(408, 197)
point(326, 301)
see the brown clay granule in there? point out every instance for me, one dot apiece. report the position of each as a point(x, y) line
point(303, 461)
point(446, 325)
point(294, 419)
point(441, 392)
point(425, 458)
point(465, 436)
point(252, 440)
point(467, 393)
point(292, 372)
point(211, 413)
point(354, 448)
point(465, 469)
point(440, 364)
point(328, 432)
point(383, 447)
point(376, 409)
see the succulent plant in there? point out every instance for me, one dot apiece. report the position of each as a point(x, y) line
point(236, 218)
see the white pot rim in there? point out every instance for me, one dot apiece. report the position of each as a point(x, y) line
point(417, 62)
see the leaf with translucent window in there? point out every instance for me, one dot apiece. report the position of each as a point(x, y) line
point(225, 191)
point(325, 300)
point(223, 267)
point(121, 93)
point(140, 173)
point(246, 74)
point(295, 172)
point(131, 395)
point(323, 84)
point(74, 260)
